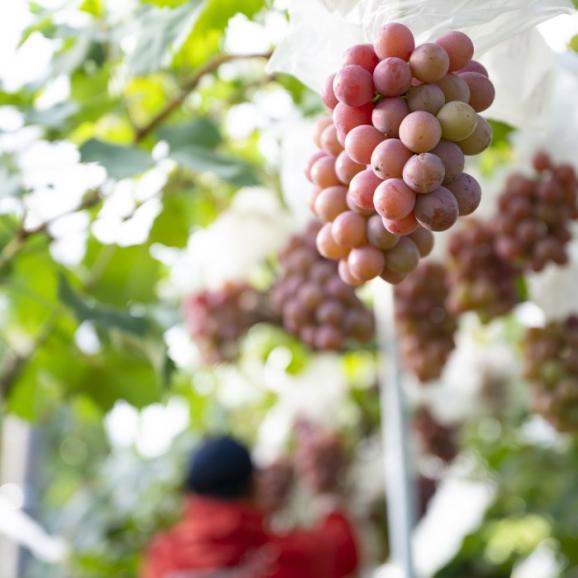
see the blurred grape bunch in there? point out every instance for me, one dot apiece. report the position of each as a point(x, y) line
point(435, 438)
point(551, 364)
point(274, 485)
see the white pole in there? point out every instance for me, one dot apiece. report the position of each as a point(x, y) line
point(399, 487)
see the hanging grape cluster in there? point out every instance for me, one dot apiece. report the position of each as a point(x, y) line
point(551, 364)
point(435, 438)
point(425, 325)
point(274, 484)
point(217, 319)
point(391, 159)
point(533, 224)
point(480, 279)
point(313, 302)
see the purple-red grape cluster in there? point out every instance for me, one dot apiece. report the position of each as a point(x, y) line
point(533, 224)
point(425, 325)
point(435, 438)
point(551, 364)
point(274, 484)
point(217, 319)
point(320, 458)
point(480, 279)
point(391, 159)
point(314, 303)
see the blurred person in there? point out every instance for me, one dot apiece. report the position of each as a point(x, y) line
point(223, 533)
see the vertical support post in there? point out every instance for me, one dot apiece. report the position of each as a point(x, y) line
point(399, 487)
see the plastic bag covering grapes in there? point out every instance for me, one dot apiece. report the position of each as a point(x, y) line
point(502, 30)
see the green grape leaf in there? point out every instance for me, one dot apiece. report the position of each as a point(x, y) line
point(119, 161)
point(94, 7)
point(200, 132)
point(106, 317)
point(52, 117)
point(172, 226)
point(573, 44)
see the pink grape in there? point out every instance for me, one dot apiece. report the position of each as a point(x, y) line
point(437, 211)
point(482, 91)
point(365, 262)
point(458, 47)
point(389, 158)
point(458, 121)
point(453, 159)
point(474, 66)
point(394, 39)
point(353, 85)
point(348, 230)
point(424, 173)
point(405, 226)
point(320, 125)
point(353, 206)
point(388, 114)
point(346, 168)
point(393, 199)
point(392, 77)
point(467, 192)
point(427, 97)
point(403, 258)
point(347, 117)
point(362, 188)
point(323, 172)
point(454, 87)
point(424, 241)
point(392, 277)
point(361, 141)
point(312, 160)
point(363, 55)
point(327, 245)
point(479, 140)
point(420, 131)
point(329, 142)
point(330, 203)
point(346, 274)
point(328, 94)
point(429, 62)
point(378, 235)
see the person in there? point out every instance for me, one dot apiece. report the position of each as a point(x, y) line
point(223, 534)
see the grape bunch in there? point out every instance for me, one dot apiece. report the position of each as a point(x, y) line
point(533, 225)
point(480, 279)
point(320, 458)
point(390, 165)
point(218, 319)
point(551, 364)
point(426, 490)
point(274, 484)
point(435, 438)
point(426, 327)
point(313, 302)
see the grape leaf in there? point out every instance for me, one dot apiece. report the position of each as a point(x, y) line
point(573, 44)
point(201, 132)
point(94, 7)
point(119, 161)
point(107, 317)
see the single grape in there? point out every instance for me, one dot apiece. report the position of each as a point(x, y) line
point(541, 162)
point(312, 160)
point(388, 114)
point(328, 95)
point(346, 275)
point(404, 226)
point(458, 47)
point(424, 173)
point(310, 295)
point(420, 131)
point(389, 158)
point(331, 312)
point(437, 211)
point(366, 262)
point(353, 206)
point(346, 168)
point(474, 66)
point(328, 338)
point(394, 39)
point(348, 230)
point(392, 277)
point(429, 62)
point(458, 121)
point(353, 85)
point(363, 55)
point(482, 91)
point(327, 246)
point(479, 140)
point(403, 258)
point(393, 199)
point(378, 235)
point(361, 141)
point(323, 172)
point(320, 125)
point(427, 97)
point(362, 188)
point(453, 159)
point(347, 117)
point(330, 203)
point(467, 192)
point(392, 77)
point(424, 241)
point(454, 87)
point(329, 142)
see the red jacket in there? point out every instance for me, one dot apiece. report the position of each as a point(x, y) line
point(219, 539)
